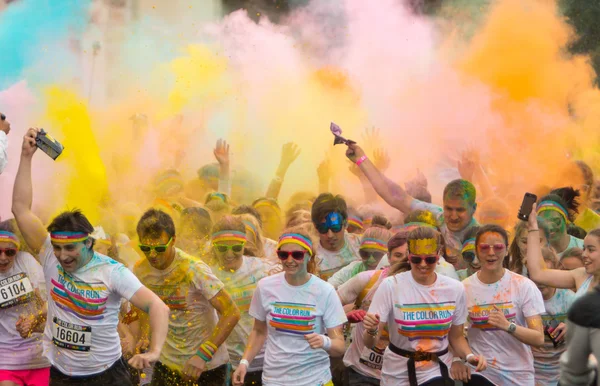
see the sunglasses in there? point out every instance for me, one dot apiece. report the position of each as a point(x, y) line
point(296, 255)
point(429, 260)
point(236, 248)
point(333, 221)
point(9, 252)
point(2, 117)
point(365, 255)
point(497, 247)
point(158, 248)
point(469, 257)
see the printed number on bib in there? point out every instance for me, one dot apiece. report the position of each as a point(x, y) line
point(372, 358)
point(15, 290)
point(71, 336)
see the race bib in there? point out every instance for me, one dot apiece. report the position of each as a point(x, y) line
point(372, 358)
point(71, 336)
point(15, 290)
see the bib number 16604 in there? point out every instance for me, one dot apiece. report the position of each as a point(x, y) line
point(71, 336)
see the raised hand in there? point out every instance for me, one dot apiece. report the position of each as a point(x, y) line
point(221, 152)
point(381, 159)
point(289, 153)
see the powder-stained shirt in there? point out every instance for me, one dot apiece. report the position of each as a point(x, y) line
point(17, 297)
point(510, 362)
point(81, 335)
point(290, 313)
point(240, 285)
point(333, 261)
point(186, 286)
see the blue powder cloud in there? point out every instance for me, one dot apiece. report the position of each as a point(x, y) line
point(28, 28)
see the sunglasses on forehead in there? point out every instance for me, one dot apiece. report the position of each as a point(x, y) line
point(9, 252)
point(296, 255)
point(429, 260)
point(222, 248)
point(158, 248)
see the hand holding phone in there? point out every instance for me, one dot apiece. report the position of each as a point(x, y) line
point(528, 200)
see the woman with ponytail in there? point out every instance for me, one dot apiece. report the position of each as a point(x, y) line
point(298, 315)
point(559, 209)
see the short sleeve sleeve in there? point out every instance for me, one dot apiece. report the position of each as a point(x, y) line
point(460, 313)
point(34, 272)
point(46, 255)
point(531, 299)
point(382, 301)
point(123, 281)
point(205, 281)
point(333, 314)
point(257, 311)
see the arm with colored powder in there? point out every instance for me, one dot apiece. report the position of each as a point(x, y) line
point(229, 317)
point(538, 272)
point(532, 335)
point(289, 153)
point(158, 314)
point(256, 341)
point(221, 153)
point(391, 192)
point(29, 224)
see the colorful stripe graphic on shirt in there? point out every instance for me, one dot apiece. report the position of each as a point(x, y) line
point(293, 318)
point(425, 320)
point(171, 295)
point(480, 313)
point(78, 298)
point(242, 295)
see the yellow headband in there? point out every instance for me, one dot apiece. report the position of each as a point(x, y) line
point(423, 246)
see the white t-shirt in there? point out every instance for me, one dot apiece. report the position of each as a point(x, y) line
point(241, 285)
point(81, 335)
point(443, 267)
point(290, 313)
point(510, 362)
point(17, 297)
point(186, 286)
point(574, 242)
point(3, 152)
point(418, 317)
point(270, 247)
point(333, 261)
point(546, 359)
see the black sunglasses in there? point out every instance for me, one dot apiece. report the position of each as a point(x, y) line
point(365, 255)
point(429, 260)
point(296, 255)
point(3, 117)
point(9, 252)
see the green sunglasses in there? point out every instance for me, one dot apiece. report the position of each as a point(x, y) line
point(158, 248)
point(221, 248)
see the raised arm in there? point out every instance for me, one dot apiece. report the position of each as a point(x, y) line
point(221, 153)
point(289, 153)
point(535, 262)
point(391, 192)
point(29, 224)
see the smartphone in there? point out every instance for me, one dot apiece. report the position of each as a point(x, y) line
point(526, 206)
point(552, 324)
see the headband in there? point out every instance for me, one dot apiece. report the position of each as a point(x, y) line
point(250, 228)
point(418, 224)
point(468, 246)
point(555, 207)
point(216, 195)
point(295, 238)
point(355, 221)
point(229, 236)
point(9, 237)
point(371, 243)
point(367, 222)
point(269, 204)
point(68, 237)
point(423, 246)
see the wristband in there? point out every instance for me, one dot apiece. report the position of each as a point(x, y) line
point(326, 342)
point(361, 160)
point(245, 363)
point(457, 359)
point(206, 351)
point(373, 332)
point(471, 355)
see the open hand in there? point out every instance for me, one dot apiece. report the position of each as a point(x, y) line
point(145, 360)
point(221, 152)
point(289, 153)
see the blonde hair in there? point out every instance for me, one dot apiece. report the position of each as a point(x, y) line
point(299, 217)
point(254, 236)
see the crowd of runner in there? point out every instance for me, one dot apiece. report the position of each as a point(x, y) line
point(314, 293)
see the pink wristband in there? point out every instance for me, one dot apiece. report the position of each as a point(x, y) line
point(361, 160)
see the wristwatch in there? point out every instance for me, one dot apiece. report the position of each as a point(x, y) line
point(512, 328)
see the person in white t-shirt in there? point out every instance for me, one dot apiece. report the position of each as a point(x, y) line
point(424, 313)
point(84, 293)
point(194, 351)
point(4, 130)
point(337, 248)
point(240, 274)
point(22, 314)
point(293, 311)
point(504, 314)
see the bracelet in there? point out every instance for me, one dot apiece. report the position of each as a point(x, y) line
point(532, 230)
point(457, 359)
point(373, 332)
point(245, 363)
point(206, 351)
point(326, 342)
point(471, 355)
point(361, 160)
